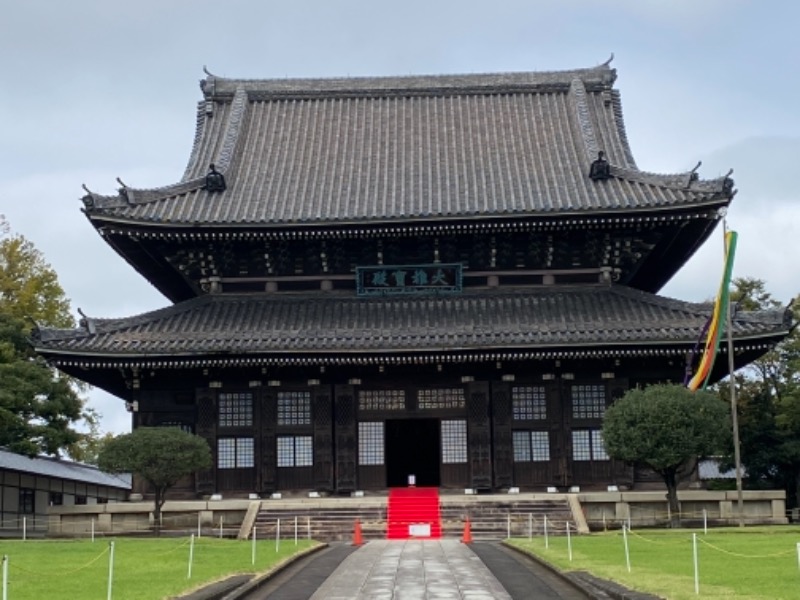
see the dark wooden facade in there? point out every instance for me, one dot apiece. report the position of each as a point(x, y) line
point(515, 424)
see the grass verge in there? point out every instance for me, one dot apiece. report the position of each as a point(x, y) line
point(142, 568)
point(752, 564)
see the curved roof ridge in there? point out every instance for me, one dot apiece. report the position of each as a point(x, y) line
point(663, 301)
point(598, 76)
point(128, 196)
point(685, 181)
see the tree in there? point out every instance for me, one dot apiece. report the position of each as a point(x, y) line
point(159, 455)
point(29, 287)
point(666, 427)
point(39, 407)
point(768, 401)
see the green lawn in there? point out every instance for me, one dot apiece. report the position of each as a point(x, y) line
point(142, 568)
point(753, 563)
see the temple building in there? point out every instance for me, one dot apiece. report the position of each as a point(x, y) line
point(449, 277)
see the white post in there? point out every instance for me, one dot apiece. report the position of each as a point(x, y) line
point(627, 552)
point(696, 566)
point(24, 528)
point(93, 530)
point(669, 513)
point(530, 526)
point(508, 526)
point(110, 570)
point(798, 555)
point(546, 540)
point(569, 543)
point(221, 518)
point(253, 550)
point(5, 576)
point(278, 536)
point(705, 522)
point(308, 526)
point(605, 528)
point(629, 519)
point(295, 530)
point(191, 557)
point(198, 524)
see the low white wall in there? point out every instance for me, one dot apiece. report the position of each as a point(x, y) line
point(611, 509)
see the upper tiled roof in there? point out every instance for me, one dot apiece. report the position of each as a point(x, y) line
point(532, 318)
point(62, 469)
point(379, 150)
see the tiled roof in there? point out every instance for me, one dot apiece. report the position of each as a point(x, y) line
point(383, 150)
point(62, 469)
point(531, 318)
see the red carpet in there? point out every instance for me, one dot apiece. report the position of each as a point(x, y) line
point(413, 513)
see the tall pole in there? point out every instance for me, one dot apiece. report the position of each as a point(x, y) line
point(737, 457)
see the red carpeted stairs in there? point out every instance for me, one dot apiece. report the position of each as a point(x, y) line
point(413, 513)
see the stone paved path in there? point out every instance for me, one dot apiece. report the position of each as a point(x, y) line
point(412, 570)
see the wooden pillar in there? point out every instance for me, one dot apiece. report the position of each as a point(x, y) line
point(266, 450)
point(479, 435)
point(206, 480)
point(323, 438)
point(345, 436)
point(503, 450)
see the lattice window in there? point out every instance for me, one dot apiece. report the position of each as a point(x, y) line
point(587, 444)
point(235, 453)
point(303, 451)
point(528, 403)
point(588, 401)
point(236, 409)
point(531, 446)
point(522, 446)
point(454, 442)
point(382, 400)
point(285, 451)
point(370, 443)
point(598, 446)
point(295, 451)
point(294, 408)
point(437, 398)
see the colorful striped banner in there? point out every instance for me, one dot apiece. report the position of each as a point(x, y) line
point(718, 319)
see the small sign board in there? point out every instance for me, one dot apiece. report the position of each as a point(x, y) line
point(419, 530)
point(385, 280)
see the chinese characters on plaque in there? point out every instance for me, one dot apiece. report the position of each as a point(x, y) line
point(408, 279)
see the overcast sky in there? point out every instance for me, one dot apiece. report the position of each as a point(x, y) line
point(93, 90)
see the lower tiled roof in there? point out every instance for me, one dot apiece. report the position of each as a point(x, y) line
point(62, 469)
point(484, 319)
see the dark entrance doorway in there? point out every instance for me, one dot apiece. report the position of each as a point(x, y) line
point(412, 448)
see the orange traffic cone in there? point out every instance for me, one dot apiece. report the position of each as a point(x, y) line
point(357, 539)
point(467, 537)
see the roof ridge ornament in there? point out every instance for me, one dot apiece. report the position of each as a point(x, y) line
point(215, 181)
point(87, 322)
point(123, 191)
point(727, 184)
point(693, 174)
point(600, 169)
point(608, 62)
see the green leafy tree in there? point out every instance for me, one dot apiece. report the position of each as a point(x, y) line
point(768, 402)
point(666, 427)
point(39, 408)
point(29, 287)
point(159, 455)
